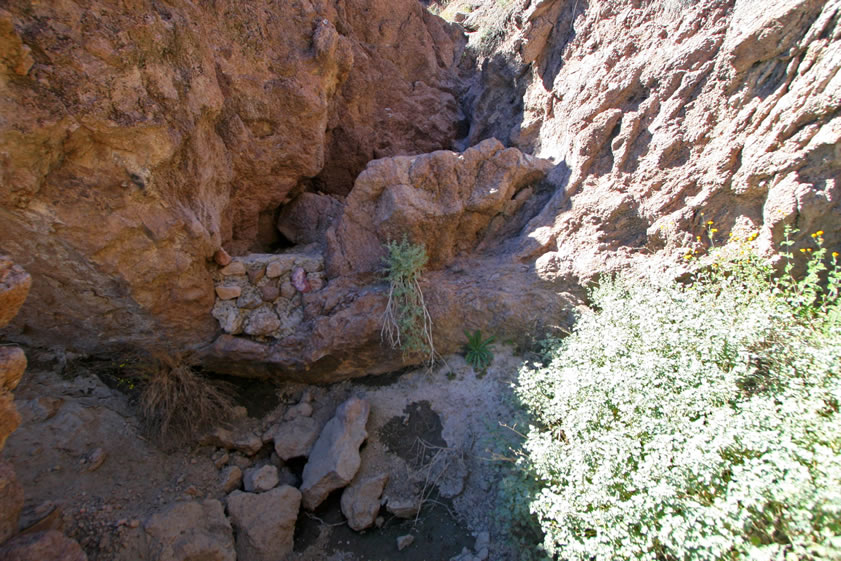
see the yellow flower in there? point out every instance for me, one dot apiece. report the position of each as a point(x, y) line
point(815, 235)
point(688, 256)
point(835, 254)
point(802, 250)
point(809, 249)
point(709, 222)
point(753, 236)
point(819, 233)
point(714, 230)
point(698, 238)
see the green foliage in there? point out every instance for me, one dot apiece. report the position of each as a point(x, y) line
point(406, 323)
point(477, 351)
point(692, 422)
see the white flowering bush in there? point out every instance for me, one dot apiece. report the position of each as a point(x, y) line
point(692, 422)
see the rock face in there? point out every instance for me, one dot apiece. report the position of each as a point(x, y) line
point(11, 502)
point(667, 116)
point(137, 141)
point(461, 207)
point(265, 523)
point(334, 459)
point(445, 201)
point(190, 530)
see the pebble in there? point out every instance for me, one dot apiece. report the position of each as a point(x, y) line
point(405, 541)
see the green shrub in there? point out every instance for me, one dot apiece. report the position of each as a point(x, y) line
point(477, 351)
point(406, 323)
point(692, 422)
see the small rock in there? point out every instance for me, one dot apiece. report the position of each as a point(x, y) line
point(260, 479)
point(300, 410)
point(316, 281)
point(483, 541)
point(222, 257)
point(228, 292)
point(405, 541)
point(239, 412)
point(230, 478)
point(134, 523)
point(276, 269)
point(242, 440)
point(250, 298)
point(299, 280)
point(192, 491)
point(403, 507)
point(265, 523)
point(295, 438)
point(459, 17)
point(235, 268)
point(379, 522)
point(306, 397)
point(96, 459)
point(255, 273)
point(334, 459)
point(269, 292)
point(287, 290)
point(262, 321)
point(241, 461)
point(482, 554)
point(361, 501)
point(221, 458)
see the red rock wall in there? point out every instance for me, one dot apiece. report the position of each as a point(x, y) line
point(138, 138)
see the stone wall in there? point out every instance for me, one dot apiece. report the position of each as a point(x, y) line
point(259, 295)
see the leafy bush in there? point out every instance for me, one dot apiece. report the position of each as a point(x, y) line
point(406, 323)
point(477, 351)
point(692, 422)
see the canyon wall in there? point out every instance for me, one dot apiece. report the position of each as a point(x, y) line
point(667, 115)
point(158, 161)
point(136, 141)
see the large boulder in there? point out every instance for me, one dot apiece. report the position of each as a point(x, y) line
point(265, 523)
point(335, 459)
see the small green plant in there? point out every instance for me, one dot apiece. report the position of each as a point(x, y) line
point(407, 324)
point(477, 351)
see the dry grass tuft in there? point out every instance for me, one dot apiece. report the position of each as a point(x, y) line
point(177, 403)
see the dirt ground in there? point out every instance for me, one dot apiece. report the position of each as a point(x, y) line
point(439, 434)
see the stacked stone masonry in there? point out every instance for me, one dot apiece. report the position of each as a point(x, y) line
point(260, 294)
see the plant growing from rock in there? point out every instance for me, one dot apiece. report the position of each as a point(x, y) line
point(407, 324)
point(176, 402)
point(477, 351)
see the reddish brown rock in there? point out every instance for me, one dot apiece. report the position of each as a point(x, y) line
point(9, 417)
point(221, 257)
point(42, 546)
point(12, 366)
point(11, 502)
point(142, 139)
point(14, 286)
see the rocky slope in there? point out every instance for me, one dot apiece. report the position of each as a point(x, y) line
point(143, 148)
